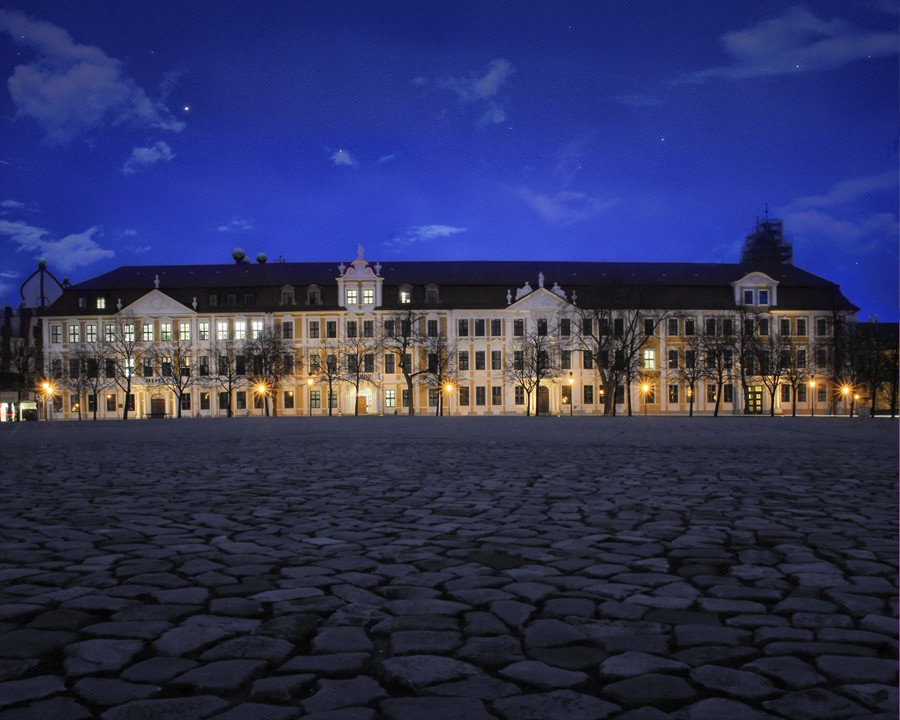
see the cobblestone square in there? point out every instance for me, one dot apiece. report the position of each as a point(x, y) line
point(398, 568)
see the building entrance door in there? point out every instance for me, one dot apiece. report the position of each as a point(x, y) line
point(157, 407)
point(543, 401)
point(755, 400)
point(362, 405)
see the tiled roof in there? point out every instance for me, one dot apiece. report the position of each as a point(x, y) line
point(462, 284)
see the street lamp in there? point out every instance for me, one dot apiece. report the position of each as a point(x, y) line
point(48, 393)
point(449, 388)
point(845, 391)
point(309, 384)
point(812, 391)
point(261, 389)
point(571, 395)
point(645, 389)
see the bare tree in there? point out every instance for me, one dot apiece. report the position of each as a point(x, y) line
point(121, 348)
point(795, 361)
point(746, 346)
point(402, 336)
point(359, 358)
point(229, 360)
point(175, 360)
point(441, 367)
point(771, 353)
point(533, 360)
point(875, 355)
point(272, 360)
point(325, 363)
point(718, 354)
point(690, 367)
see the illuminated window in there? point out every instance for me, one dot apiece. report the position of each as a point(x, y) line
point(165, 331)
point(390, 398)
point(203, 330)
point(352, 297)
point(74, 333)
point(315, 398)
point(240, 330)
point(405, 297)
point(147, 332)
point(368, 296)
point(184, 331)
point(90, 333)
point(109, 333)
point(101, 303)
point(55, 333)
point(649, 359)
point(222, 330)
point(256, 328)
point(763, 297)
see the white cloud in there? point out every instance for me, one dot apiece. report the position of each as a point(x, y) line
point(422, 234)
point(566, 207)
point(387, 158)
point(236, 224)
point(848, 190)
point(143, 157)
point(796, 41)
point(342, 157)
point(483, 90)
point(12, 205)
point(72, 89)
point(73, 251)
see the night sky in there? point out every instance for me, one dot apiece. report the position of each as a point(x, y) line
point(644, 130)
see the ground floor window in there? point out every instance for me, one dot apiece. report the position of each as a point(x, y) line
point(673, 393)
point(464, 396)
point(332, 399)
point(92, 403)
point(433, 394)
point(186, 401)
point(57, 403)
point(204, 401)
point(728, 393)
point(801, 394)
point(390, 396)
point(496, 396)
point(258, 400)
point(785, 393)
point(710, 392)
point(288, 400)
point(480, 395)
point(519, 395)
point(241, 400)
point(315, 398)
point(223, 401)
point(620, 394)
point(404, 398)
point(588, 394)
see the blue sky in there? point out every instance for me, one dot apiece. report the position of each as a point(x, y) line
point(171, 132)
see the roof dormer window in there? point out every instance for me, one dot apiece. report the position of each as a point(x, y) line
point(432, 296)
point(405, 295)
point(352, 296)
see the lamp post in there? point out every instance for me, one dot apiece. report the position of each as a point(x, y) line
point(261, 389)
point(309, 384)
point(449, 388)
point(845, 391)
point(571, 395)
point(645, 389)
point(812, 391)
point(48, 393)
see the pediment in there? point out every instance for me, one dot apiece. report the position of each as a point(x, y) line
point(540, 299)
point(156, 303)
point(756, 278)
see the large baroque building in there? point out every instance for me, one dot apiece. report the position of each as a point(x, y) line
point(660, 338)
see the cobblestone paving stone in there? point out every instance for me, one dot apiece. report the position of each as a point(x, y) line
point(465, 568)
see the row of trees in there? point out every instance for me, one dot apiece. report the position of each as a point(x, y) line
point(737, 349)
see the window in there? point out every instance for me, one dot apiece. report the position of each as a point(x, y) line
point(672, 327)
point(728, 326)
point(204, 365)
point(587, 359)
point(542, 326)
point(184, 331)
point(673, 393)
point(565, 327)
point(519, 395)
point(649, 360)
point(352, 296)
point(331, 329)
point(249, 299)
point(110, 403)
point(369, 363)
point(241, 400)
point(404, 398)
point(351, 328)
point(368, 328)
point(240, 365)
point(588, 394)
point(287, 330)
point(315, 398)
point(314, 329)
point(464, 396)
point(56, 333)
point(496, 328)
point(231, 300)
point(213, 299)
point(288, 399)
point(90, 333)
point(222, 330)
point(690, 358)
point(186, 401)
point(462, 360)
point(649, 394)
point(73, 368)
point(762, 325)
point(649, 326)
point(432, 328)
point(352, 364)
point(287, 363)
point(389, 367)
point(479, 359)
point(496, 360)
point(314, 363)
point(801, 357)
point(821, 358)
point(728, 393)
point(166, 367)
point(110, 369)
point(801, 393)
point(748, 326)
point(431, 296)
point(390, 396)
point(147, 331)
point(673, 359)
point(147, 367)
point(518, 328)
point(101, 303)
point(287, 297)
point(405, 296)
point(74, 333)
point(82, 302)
point(748, 297)
point(389, 328)
point(587, 326)
point(204, 401)
point(565, 359)
point(785, 326)
point(710, 392)
point(165, 332)
point(480, 395)
point(313, 295)
point(240, 329)
point(496, 395)
point(785, 393)
point(763, 297)
point(690, 326)
point(618, 327)
point(710, 326)
point(462, 328)
point(256, 329)
point(368, 296)
point(433, 395)
point(479, 328)
point(821, 327)
point(518, 360)
point(203, 329)
point(801, 326)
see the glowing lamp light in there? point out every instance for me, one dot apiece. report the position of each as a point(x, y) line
point(448, 387)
